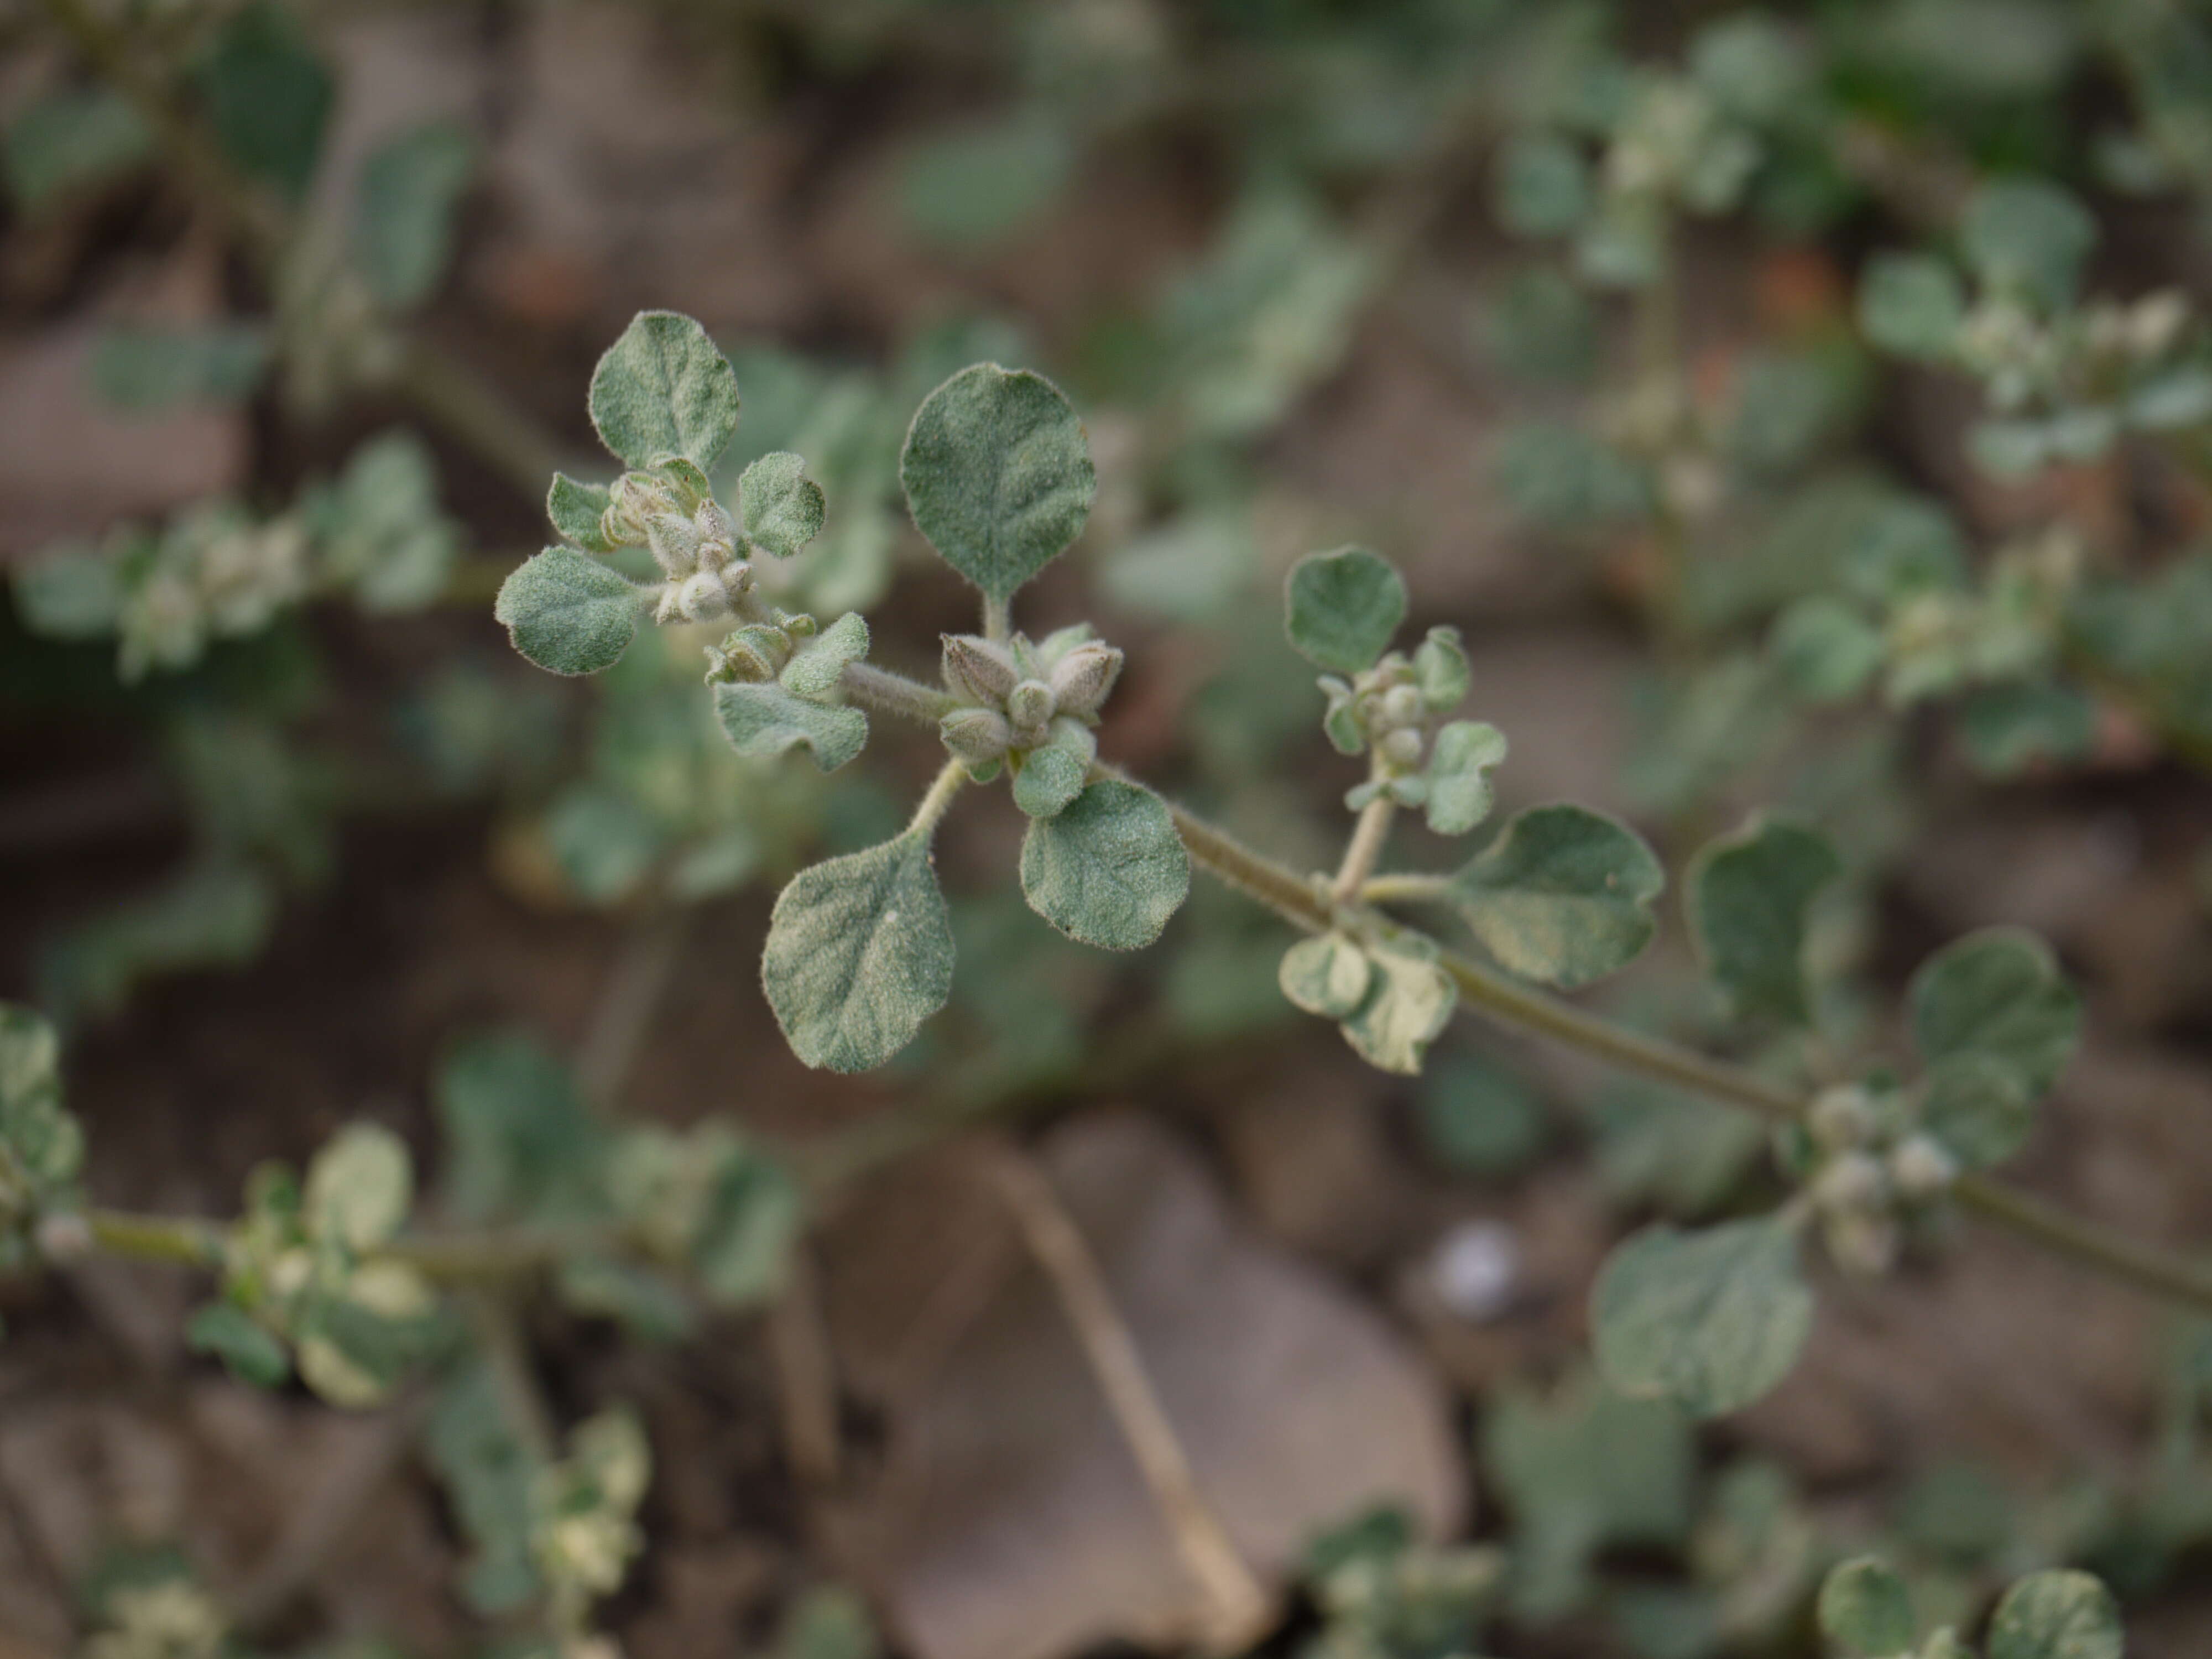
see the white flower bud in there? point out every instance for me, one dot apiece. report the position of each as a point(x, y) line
point(1402, 705)
point(1401, 747)
point(1922, 1168)
point(718, 541)
point(979, 671)
point(1030, 705)
point(703, 598)
point(1083, 679)
point(976, 736)
point(635, 498)
point(1841, 1118)
point(1855, 1182)
point(674, 539)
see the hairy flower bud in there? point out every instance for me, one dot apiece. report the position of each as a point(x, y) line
point(976, 736)
point(1401, 747)
point(1841, 1118)
point(635, 498)
point(1083, 679)
point(754, 653)
point(1030, 707)
point(978, 670)
point(1922, 1168)
point(718, 537)
point(1855, 1182)
point(1402, 705)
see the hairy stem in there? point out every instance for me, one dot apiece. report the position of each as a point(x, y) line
point(998, 618)
point(1364, 849)
point(1405, 890)
point(935, 804)
point(895, 693)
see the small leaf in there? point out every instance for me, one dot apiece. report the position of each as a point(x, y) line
point(663, 389)
point(814, 672)
point(69, 138)
point(1866, 1607)
point(2057, 1615)
point(246, 1347)
point(782, 508)
point(1110, 870)
point(1408, 1003)
point(1459, 792)
point(2030, 237)
point(1328, 975)
point(1999, 993)
point(360, 1186)
point(1713, 1320)
point(576, 510)
point(1911, 304)
point(1750, 901)
point(1440, 670)
point(1827, 651)
point(1543, 185)
point(147, 370)
point(268, 97)
point(998, 474)
point(403, 215)
point(1563, 896)
point(860, 953)
point(1978, 1106)
point(1051, 777)
point(1343, 608)
point(764, 721)
point(569, 613)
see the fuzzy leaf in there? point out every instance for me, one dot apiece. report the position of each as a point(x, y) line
point(1999, 993)
point(1866, 1607)
point(575, 510)
point(1911, 304)
point(1543, 185)
point(998, 475)
point(764, 721)
point(569, 613)
point(359, 1187)
point(147, 370)
point(1750, 898)
point(1330, 975)
point(1459, 792)
point(1827, 651)
point(268, 97)
point(404, 216)
point(663, 389)
point(1342, 608)
point(1109, 869)
point(1563, 896)
point(813, 672)
point(251, 1353)
point(860, 953)
point(1978, 1106)
point(1712, 1320)
point(1440, 669)
point(2057, 1615)
point(71, 138)
point(1050, 778)
point(2030, 237)
point(1408, 1003)
point(782, 508)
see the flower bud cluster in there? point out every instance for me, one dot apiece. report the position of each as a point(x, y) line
point(171, 1618)
point(1872, 1172)
point(213, 573)
point(1390, 710)
point(584, 1532)
point(758, 652)
point(2083, 358)
point(674, 515)
point(1016, 697)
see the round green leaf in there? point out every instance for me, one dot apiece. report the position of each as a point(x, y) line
point(1911, 304)
point(2057, 1615)
point(663, 389)
point(1826, 649)
point(576, 510)
point(820, 664)
point(860, 953)
point(1343, 608)
point(250, 1352)
point(1866, 1607)
point(1408, 1003)
point(1978, 1106)
point(1459, 787)
point(1712, 1320)
point(1050, 778)
point(2000, 993)
point(1543, 185)
point(1328, 975)
point(782, 508)
point(1750, 902)
point(2029, 237)
point(567, 612)
point(360, 1186)
point(1564, 895)
point(998, 474)
point(766, 720)
point(1110, 870)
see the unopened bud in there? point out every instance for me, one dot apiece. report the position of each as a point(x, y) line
point(754, 653)
point(1854, 1182)
point(1402, 705)
point(976, 736)
point(718, 539)
point(979, 671)
point(1030, 705)
point(1922, 1168)
point(1401, 747)
point(1084, 678)
point(1841, 1118)
point(703, 598)
point(674, 539)
point(635, 498)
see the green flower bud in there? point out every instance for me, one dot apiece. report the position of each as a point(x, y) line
point(1922, 1168)
point(1855, 1182)
point(1030, 705)
point(1401, 705)
point(976, 736)
point(1401, 747)
point(978, 670)
point(1841, 1118)
point(1084, 678)
point(635, 498)
point(754, 653)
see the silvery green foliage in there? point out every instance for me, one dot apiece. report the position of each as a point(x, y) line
point(569, 613)
point(1749, 897)
point(998, 474)
point(216, 571)
point(403, 230)
point(68, 140)
point(144, 370)
point(1342, 608)
point(41, 1143)
point(1564, 895)
point(583, 1517)
point(1866, 1610)
point(798, 708)
point(1865, 1606)
point(1030, 708)
point(1108, 868)
point(860, 953)
point(664, 391)
point(1395, 1599)
point(709, 1202)
point(266, 96)
point(302, 1267)
point(1388, 995)
point(1712, 1320)
point(1998, 995)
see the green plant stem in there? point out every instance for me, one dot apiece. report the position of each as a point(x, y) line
point(1369, 834)
point(998, 619)
point(895, 693)
point(1406, 890)
point(935, 804)
point(190, 1242)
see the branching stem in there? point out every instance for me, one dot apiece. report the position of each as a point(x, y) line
point(1369, 834)
point(895, 693)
